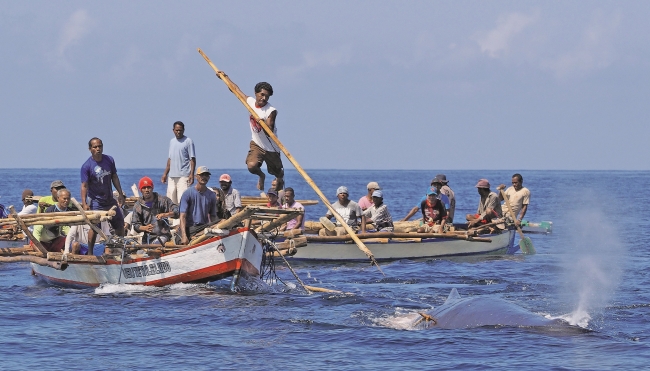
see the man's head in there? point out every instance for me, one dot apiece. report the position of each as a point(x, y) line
point(203, 175)
point(372, 186)
point(63, 198)
point(517, 181)
point(272, 196)
point(225, 181)
point(432, 196)
point(96, 147)
point(55, 186)
point(439, 181)
point(146, 187)
point(178, 129)
point(27, 193)
point(289, 195)
point(342, 193)
point(483, 187)
point(377, 198)
point(263, 91)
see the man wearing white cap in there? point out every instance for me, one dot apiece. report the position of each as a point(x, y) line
point(378, 213)
point(348, 209)
point(366, 201)
point(233, 199)
point(489, 206)
point(198, 205)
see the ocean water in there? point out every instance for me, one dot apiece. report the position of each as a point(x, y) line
point(592, 271)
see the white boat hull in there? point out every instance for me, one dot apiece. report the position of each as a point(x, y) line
point(213, 259)
point(395, 250)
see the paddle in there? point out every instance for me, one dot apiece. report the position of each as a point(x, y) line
point(525, 244)
point(235, 90)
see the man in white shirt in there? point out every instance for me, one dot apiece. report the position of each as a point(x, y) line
point(28, 204)
point(519, 197)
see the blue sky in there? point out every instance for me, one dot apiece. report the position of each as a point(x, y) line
point(358, 85)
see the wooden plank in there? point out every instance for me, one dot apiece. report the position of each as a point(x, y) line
point(26, 230)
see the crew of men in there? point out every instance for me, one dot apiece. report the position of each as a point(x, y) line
point(196, 205)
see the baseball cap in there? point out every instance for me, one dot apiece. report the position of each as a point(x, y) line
point(342, 189)
point(378, 193)
point(431, 192)
point(57, 184)
point(373, 185)
point(225, 178)
point(272, 191)
point(483, 183)
point(202, 170)
point(145, 182)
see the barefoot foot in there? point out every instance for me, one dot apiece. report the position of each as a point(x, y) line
point(260, 182)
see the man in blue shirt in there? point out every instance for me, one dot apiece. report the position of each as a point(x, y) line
point(98, 176)
point(180, 163)
point(198, 205)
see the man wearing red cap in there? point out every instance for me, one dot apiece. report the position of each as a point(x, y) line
point(489, 206)
point(233, 199)
point(150, 212)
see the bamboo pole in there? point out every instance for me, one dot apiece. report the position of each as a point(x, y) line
point(295, 163)
point(276, 223)
point(26, 230)
point(34, 259)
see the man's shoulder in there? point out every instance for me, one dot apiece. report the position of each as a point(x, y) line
point(51, 209)
point(525, 190)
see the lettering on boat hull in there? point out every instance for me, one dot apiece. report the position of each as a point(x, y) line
point(146, 270)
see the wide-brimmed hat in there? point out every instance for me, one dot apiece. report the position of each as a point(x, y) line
point(440, 178)
point(483, 183)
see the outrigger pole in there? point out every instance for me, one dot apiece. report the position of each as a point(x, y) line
point(295, 163)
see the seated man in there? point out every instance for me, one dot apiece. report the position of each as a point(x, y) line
point(232, 197)
point(198, 206)
point(272, 196)
point(47, 201)
point(488, 207)
point(53, 237)
point(348, 209)
point(519, 197)
point(150, 212)
point(298, 223)
point(28, 204)
point(378, 213)
point(366, 201)
point(434, 214)
point(445, 194)
point(76, 241)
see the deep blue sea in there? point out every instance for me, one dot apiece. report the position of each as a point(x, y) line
point(592, 270)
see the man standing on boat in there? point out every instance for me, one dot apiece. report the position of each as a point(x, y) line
point(262, 149)
point(233, 199)
point(180, 163)
point(349, 211)
point(198, 205)
point(98, 176)
point(519, 197)
point(150, 214)
point(489, 206)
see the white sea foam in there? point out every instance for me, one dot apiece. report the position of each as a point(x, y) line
point(594, 260)
point(110, 288)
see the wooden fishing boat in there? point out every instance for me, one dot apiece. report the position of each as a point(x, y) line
point(388, 246)
point(222, 250)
